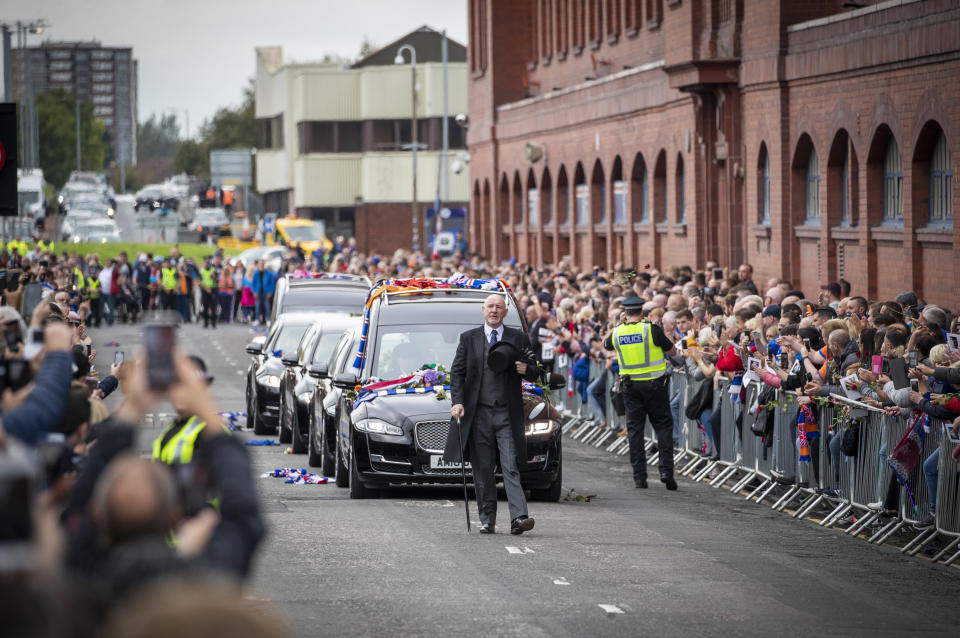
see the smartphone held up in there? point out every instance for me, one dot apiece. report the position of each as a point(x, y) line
point(160, 339)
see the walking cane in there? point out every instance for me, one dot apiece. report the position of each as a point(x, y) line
point(463, 475)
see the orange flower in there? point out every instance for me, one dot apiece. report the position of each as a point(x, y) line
point(356, 388)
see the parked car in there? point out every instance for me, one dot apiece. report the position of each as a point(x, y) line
point(341, 294)
point(272, 255)
point(154, 197)
point(265, 369)
point(322, 418)
point(209, 221)
point(296, 386)
point(398, 439)
point(75, 218)
point(96, 230)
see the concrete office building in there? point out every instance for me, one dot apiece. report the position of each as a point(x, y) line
point(815, 139)
point(330, 138)
point(107, 76)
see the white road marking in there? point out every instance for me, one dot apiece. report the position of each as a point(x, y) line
point(519, 550)
point(611, 609)
point(561, 581)
point(239, 371)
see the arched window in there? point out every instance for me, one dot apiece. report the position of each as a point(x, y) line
point(533, 201)
point(642, 178)
point(892, 184)
point(812, 193)
point(845, 189)
point(763, 203)
point(581, 193)
point(941, 179)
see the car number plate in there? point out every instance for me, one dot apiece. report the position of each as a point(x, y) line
point(437, 463)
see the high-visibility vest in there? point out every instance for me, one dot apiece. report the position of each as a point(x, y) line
point(93, 285)
point(226, 281)
point(227, 198)
point(206, 278)
point(169, 277)
point(639, 358)
point(179, 449)
point(81, 283)
point(45, 246)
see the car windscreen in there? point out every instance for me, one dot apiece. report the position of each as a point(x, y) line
point(302, 233)
point(28, 197)
point(328, 341)
point(287, 338)
point(401, 350)
point(327, 300)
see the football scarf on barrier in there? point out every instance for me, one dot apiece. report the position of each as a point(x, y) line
point(455, 281)
point(807, 430)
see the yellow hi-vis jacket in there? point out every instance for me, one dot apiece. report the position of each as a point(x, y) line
point(639, 358)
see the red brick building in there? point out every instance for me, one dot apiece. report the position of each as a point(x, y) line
point(813, 140)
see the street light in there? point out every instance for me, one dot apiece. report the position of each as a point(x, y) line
point(29, 130)
point(414, 217)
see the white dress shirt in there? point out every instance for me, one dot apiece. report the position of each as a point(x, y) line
point(488, 329)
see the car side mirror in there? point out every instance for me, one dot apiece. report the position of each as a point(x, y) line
point(290, 359)
point(345, 381)
point(318, 370)
point(255, 348)
point(557, 381)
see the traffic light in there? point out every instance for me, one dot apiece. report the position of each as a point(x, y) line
point(8, 159)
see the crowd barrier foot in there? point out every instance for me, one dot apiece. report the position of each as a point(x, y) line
point(709, 467)
point(744, 481)
point(602, 439)
point(691, 465)
point(787, 498)
point(838, 512)
point(805, 508)
point(946, 549)
point(950, 560)
point(766, 492)
point(653, 459)
point(593, 432)
point(917, 543)
point(722, 477)
point(568, 424)
point(763, 484)
point(858, 526)
point(623, 446)
point(624, 449)
point(617, 441)
point(887, 531)
point(583, 431)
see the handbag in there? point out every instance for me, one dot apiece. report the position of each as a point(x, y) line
point(850, 442)
point(700, 401)
point(763, 423)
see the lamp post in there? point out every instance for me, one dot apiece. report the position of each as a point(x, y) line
point(414, 217)
point(29, 131)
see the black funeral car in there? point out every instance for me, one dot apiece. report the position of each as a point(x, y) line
point(399, 439)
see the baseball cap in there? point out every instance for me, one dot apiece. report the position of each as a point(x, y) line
point(908, 298)
point(773, 310)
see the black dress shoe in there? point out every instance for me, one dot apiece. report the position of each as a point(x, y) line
point(669, 481)
point(486, 529)
point(521, 524)
point(642, 484)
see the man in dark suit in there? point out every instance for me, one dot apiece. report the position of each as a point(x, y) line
point(489, 405)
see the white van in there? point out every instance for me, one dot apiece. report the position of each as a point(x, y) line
point(30, 193)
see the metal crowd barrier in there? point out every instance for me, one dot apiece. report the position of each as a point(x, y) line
point(847, 492)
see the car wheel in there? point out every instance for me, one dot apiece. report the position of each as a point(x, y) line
point(327, 459)
point(299, 441)
point(549, 494)
point(253, 416)
point(357, 489)
point(314, 458)
point(284, 434)
point(340, 475)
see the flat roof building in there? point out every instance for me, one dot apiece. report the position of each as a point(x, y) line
point(331, 138)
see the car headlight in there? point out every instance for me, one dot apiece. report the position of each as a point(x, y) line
point(375, 426)
point(110, 212)
point(76, 239)
point(269, 380)
point(304, 397)
point(541, 427)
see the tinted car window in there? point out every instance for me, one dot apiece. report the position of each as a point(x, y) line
point(403, 349)
point(299, 299)
point(287, 337)
point(325, 347)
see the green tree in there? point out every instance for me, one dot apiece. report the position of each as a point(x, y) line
point(56, 120)
point(229, 128)
point(157, 138)
point(366, 48)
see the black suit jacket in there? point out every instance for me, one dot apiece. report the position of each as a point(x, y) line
point(465, 378)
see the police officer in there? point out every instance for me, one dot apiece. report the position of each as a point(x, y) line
point(168, 285)
point(642, 348)
point(209, 293)
point(177, 444)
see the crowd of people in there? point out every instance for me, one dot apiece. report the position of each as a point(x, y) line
point(99, 532)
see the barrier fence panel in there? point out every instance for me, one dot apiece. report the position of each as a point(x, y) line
point(828, 468)
point(786, 468)
point(948, 504)
point(761, 450)
point(915, 499)
point(729, 444)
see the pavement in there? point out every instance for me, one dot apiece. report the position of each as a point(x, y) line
point(698, 561)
